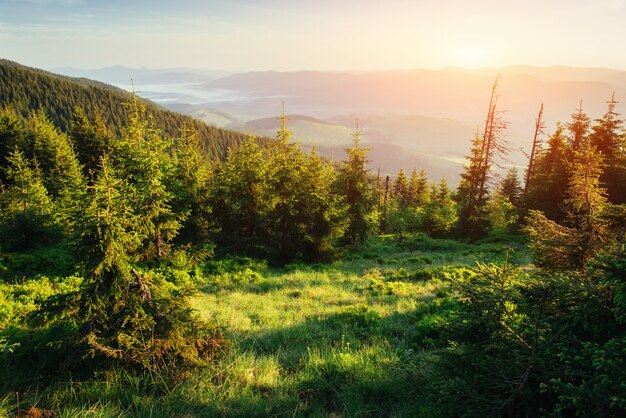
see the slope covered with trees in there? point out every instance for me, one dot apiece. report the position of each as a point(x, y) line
point(28, 90)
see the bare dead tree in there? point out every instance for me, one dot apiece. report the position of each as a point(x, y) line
point(494, 144)
point(539, 127)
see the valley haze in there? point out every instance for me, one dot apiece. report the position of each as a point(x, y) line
point(421, 118)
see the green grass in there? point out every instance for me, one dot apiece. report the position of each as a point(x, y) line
point(352, 338)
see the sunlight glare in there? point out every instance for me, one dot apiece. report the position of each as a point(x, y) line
point(470, 56)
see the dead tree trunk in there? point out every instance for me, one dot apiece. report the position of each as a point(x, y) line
point(539, 126)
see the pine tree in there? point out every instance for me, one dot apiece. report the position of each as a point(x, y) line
point(12, 136)
point(473, 189)
point(322, 211)
point(122, 315)
point(534, 151)
point(401, 192)
point(191, 178)
point(493, 142)
point(56, 158)
point(586, 199)
point(91, 141)
point(608, 137)
point(578, 128)
point(549, 180)
point(418, 188)
point(440, 214)
point(510, 187)
point(285, 164)
point(27, 214)
point(472, 216)
point(564, 248)
point(354, 185)
point(141, 158)
point(240, 197)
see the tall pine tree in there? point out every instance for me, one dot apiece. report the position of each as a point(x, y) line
point(27, 214)
point(608, 137)
point(354, 185)
point(141, 157)
point(549, 178)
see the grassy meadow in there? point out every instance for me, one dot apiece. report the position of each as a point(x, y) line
point(353, 338)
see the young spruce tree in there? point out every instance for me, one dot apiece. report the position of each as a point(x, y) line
point(354, 185)
point(26, 211)
point(142, 158)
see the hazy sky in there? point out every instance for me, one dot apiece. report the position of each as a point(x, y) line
point(313, 35)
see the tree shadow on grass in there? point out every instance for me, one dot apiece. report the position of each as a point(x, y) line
point(353, 363)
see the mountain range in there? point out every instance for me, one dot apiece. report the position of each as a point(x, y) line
point(428, 115)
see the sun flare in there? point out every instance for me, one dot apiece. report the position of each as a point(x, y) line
point(470, 56)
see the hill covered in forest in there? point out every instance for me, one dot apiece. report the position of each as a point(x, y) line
point(26, 89)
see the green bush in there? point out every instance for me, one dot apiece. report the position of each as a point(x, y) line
point(535, 344)
point(18, 300)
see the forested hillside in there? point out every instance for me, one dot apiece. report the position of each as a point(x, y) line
point(29, 90)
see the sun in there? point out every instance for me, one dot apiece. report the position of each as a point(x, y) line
point(470, 56)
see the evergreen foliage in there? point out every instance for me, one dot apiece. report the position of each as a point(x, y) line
point(141, 157)
point(29, 90)
point(549, 179)
point(578, 128)
point(55, 157)
point(191, 181)
point(472, 219)
point(239, 197)
point(556, 246)
point(280, 204)
point(119, 313)
point(607, 137)
point(354, 185)
point(473, 189)
point(418, 188)
point(91, 140)
point(12, 136)
point(305, 212)
point(526, 345)
point(502, 213)
point(586, 198)
point(27, 211)
point(510, 187)
point(401, 191)
point(440, 213)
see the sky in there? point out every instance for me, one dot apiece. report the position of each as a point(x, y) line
point(286, 35)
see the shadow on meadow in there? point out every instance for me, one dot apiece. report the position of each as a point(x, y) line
point(352, 363)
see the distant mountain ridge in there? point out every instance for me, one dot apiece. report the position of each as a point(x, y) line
point(451, 93)
point(430, 114)
point(119, 74)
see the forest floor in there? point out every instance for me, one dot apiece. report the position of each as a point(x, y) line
point(351, 338)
